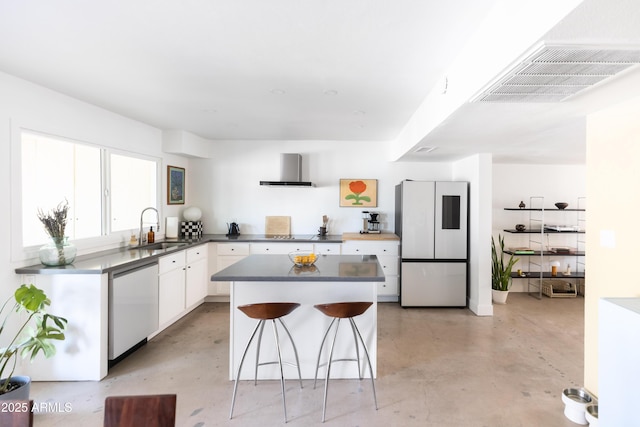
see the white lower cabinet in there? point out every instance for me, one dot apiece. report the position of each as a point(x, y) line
point(196, 275)
point(226, 255)
point(182, 283)
point(388, 256)
point(171, 287)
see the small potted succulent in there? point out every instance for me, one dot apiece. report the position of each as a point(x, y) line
point(500, 271)
point(36, 330)
point(58, 251)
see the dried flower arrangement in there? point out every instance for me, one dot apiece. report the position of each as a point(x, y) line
point(55, 221)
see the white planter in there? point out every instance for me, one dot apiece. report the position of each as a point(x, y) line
point(21, 393)
point(499, 297)
point(576, 401)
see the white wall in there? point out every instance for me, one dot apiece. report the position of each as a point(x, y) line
point(613, 161)
point(25, 105)
point(228, 184)
point(477, 171)
point(515, 183)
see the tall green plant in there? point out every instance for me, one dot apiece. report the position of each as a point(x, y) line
point(35, 334)
point(500, 271)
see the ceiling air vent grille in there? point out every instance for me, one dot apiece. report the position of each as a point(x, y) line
point(554, 73)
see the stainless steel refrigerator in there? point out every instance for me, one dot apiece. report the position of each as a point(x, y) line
point(432, 221)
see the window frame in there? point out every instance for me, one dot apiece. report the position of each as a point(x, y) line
point(106, 239)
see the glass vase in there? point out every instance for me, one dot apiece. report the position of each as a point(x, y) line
point(59, 251)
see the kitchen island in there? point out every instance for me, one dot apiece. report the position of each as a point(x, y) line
point(274, 278)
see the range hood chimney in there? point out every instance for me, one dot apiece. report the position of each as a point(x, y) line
point(290, 172)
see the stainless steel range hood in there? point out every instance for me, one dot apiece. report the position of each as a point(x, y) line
point(290, 172)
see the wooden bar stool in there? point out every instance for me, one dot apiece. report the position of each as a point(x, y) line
point(268, 311)
point(343, 310)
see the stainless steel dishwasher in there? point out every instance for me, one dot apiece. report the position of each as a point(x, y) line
point(133, 308)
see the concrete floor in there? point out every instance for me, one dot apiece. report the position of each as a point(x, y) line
point(436, 367)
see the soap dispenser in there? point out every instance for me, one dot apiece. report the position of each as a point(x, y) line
point(151, 236)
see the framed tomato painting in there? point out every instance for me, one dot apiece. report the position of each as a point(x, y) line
point(358, 193)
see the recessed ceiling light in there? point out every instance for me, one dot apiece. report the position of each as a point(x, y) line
point(359, 113)
point(331, 92)
point(277, 91)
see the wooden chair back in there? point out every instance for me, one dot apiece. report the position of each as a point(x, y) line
point(16, 413)
point(157, 410)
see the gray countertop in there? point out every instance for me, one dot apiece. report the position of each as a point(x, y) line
point(116, 259)
point(279, 268)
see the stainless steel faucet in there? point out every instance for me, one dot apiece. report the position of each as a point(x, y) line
point(157, 223)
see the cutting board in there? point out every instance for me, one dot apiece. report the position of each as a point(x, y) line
point(277, 225)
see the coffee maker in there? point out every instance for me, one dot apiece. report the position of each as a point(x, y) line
point(370, 223)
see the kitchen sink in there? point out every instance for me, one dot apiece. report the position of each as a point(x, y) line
point(160, 246)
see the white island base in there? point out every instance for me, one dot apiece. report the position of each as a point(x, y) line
point(307, 326)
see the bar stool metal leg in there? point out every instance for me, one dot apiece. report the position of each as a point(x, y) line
point(320, 352)
point(366, 353)
point(244, 354)
point(295, 351)
point(326, 380)
point(355, 340)
point(255, 377)
point(284, 402)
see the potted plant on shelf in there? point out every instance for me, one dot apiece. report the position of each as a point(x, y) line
point(58, 251)
point(500, 271)
point(36, 330)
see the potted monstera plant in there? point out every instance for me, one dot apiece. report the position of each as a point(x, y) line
point(33, 331)
point(500, 271)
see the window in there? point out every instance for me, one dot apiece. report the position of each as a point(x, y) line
point(133, 188)
point(56, 169)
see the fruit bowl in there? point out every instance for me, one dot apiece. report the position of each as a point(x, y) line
point(561, 205)
point(303, 258)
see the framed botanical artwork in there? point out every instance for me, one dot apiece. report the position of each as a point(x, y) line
point(175, 185)
point(358, 193)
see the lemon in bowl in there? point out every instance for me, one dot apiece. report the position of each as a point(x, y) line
point(303, 258)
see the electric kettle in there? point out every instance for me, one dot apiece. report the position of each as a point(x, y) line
point(234, 229)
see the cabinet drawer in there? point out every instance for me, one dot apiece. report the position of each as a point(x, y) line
point(389, 286)
point(171, 262)
point(389, 264)
point(233, 249)
point(327, 248)
point(370, 248)
point(279, 248)
point(197, 253)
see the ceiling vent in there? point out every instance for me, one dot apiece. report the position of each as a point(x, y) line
point(554, 73)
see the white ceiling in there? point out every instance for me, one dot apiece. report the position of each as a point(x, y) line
point(299, 70)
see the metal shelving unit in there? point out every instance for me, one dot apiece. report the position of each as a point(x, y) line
point(540, 250)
